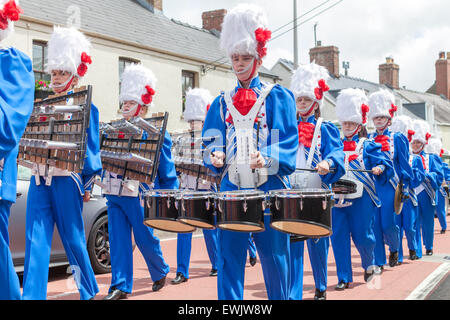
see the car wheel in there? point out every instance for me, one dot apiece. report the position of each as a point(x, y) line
point(98, 246)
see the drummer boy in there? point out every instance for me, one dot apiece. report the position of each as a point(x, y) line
point(244, 37)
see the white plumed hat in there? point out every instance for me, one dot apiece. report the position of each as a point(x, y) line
point(434, 146)
point(244, 31)
point(196, 105)
point(421, 130)
point(68, 50)
point(10, 12)
point(403, 124)
point(351, 106)
point(309, 80)
point(138, 84)
point(382, 103)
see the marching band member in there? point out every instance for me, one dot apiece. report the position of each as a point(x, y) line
point(68, 59)
point(426, 192)
point(434, 146)
point(16, 105)
point(353, 215)
point(197, 103)
point(396, 146)
point(125, 210)
point(322, 153)
point(243, 37)
point(407, 218)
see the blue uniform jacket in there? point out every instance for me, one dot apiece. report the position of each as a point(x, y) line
point(16, 106)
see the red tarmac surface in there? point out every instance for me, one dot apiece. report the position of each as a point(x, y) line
point(396, 283)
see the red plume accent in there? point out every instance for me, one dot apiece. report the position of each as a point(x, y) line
point(427, 137)
point(148, 97)
point(410, 134)
point(262, 37)
point(364, 110)
point(10, 12)
point(85, 58)
point(207, 107)
point(441, 153)
point(83, 68)
point(319, 91)
point(393, 110)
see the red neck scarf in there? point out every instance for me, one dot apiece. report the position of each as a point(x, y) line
point(244, 100)
point(350, 146)
point(384, 140)
point(306, 133)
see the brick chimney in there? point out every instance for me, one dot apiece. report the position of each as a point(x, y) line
point(156, 4)
point(389, 73)
point(327, 57)
point(212, 20)
point(443, 75)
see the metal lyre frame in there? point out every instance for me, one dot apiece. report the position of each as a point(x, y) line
point(184, 149)
point(128, 154)
point(55, 135)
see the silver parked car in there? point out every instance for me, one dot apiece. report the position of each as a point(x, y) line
point(95, 224)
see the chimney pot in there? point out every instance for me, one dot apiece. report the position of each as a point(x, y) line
point(156, 4)
point(213, 20)
point(327, 57)
point(389, 73)
point(443, 75)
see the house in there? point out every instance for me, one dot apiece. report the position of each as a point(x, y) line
point(132, 31)
point(430, 106)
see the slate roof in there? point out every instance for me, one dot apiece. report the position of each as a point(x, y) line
point(128, 20)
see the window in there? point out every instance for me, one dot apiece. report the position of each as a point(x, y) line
point(187, 82)
point(39, 60)
point(123, 63)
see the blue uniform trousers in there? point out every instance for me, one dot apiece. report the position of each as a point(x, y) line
point(60, 204)
point(406, 221)
point(385, 228)
point(126, 214)
point(440, 211)
point(273, 251)
point(184, 246)
point(296, 270)
point(9, 282)
point(353, 222)
point(425, 223)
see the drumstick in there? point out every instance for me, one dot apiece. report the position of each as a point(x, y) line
point(332, 170)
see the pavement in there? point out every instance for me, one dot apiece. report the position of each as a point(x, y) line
point(422, 279)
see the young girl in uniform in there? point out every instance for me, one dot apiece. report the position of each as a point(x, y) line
point(426, 192)
point(326, 155)
point(125, 211)
point(198, 100)
point(353, 215)
point(396, 146)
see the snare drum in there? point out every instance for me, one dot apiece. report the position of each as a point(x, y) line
point(344, 186)
point(161, 212)
point(241, 211)
point(197, 209)
point(304, 212)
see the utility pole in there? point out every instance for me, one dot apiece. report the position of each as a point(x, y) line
point(295, 36)
point(315, 34)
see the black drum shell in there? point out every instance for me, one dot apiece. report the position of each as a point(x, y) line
point(231, 215)
point(344, 186)
point(160, 212)
point(195, 212)
point(310, 221)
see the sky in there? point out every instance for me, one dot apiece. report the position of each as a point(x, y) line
point(413, 32)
